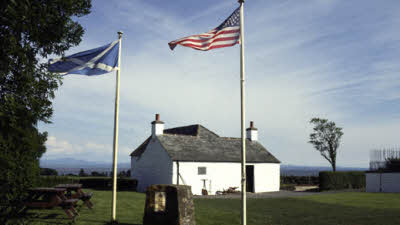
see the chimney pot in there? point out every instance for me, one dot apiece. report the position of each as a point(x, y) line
point(251, 124)
point(157, 117)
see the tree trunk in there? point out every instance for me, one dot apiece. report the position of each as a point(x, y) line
point(334, 166)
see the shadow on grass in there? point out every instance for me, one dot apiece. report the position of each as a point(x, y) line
point(119, 223)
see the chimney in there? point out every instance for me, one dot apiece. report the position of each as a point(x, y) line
point(252, 132)
point(157, 126)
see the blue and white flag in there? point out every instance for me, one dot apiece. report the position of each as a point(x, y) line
point(91, 62)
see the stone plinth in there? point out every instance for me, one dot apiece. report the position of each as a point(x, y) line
point(169, 205)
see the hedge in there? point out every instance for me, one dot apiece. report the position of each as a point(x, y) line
point(300, 180)
point(103, 183)
point(329, 180)
point(51, 181)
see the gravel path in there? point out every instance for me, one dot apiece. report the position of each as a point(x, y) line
point(279, 194)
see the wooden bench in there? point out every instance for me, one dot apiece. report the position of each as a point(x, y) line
point(75, 191)
point(51, 197)
point(86, 199)
point(68, 207)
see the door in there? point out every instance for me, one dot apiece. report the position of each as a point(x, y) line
point(250, 178)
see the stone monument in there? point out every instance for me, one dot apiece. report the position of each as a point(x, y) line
point(169, 205)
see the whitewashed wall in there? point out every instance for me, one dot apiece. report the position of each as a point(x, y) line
point(382, 182)
point(221, 175)
point(267, 177)
point(153, 167)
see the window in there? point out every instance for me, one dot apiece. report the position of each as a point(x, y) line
point(201, 170)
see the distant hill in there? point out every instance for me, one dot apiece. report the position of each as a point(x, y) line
point(77, 163)
point(66, 166)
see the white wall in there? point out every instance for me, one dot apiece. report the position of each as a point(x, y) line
point(267, 177)
point(221, 175)
point(153, 167)
point(382, 182)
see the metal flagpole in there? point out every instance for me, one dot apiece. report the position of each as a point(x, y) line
point(114, 192)
point(242, 105)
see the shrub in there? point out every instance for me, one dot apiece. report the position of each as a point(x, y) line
point(300, 180)
point(392, 165)
point(97, 174)
point(96, 182)
point(105, 183)
point(126, 184)
point(48, 172)
point(51, 181)
point(329, 180)
point(102, 183)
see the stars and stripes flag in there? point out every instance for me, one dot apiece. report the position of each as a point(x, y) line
point(225, 35)
point(95, 61)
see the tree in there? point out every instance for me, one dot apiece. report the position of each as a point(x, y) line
point(48, 172)
point(82, 173)
point(392, 164)
point(30, 30)
point(326, 139)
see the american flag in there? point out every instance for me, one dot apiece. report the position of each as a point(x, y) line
point(225, 35)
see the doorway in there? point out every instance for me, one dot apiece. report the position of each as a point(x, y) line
point(250, 178)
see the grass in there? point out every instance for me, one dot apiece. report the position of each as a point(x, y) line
point(337, 209)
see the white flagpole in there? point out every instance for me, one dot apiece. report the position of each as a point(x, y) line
point(114, 192)
point(242, 105)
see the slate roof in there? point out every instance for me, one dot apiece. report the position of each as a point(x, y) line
point(196, 143)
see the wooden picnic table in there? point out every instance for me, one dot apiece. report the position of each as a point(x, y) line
point(75, 191)
point(44, 197)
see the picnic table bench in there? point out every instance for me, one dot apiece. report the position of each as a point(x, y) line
point(75, 191)
point(45, 197)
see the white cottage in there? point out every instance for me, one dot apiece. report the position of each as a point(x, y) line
point(196, 156)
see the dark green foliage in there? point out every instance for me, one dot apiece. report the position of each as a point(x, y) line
point(100, 183)
point(329, 180)
point(82, 173)
point(124, 173)
point(29, 29)
point(326, 139)
point(51, 181)
point(392, 165)
point(48, 172)
point(97, 174)
point(300, 180)
point(105, 183)
point(126, 184)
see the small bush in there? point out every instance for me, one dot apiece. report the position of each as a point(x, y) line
point(329, 180)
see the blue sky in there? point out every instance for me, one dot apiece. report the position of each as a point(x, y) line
point(319, 58)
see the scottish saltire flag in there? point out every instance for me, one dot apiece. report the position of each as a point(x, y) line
point(225, 35)
point(91, 62)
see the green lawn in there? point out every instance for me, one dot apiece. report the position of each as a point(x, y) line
point(341, 208)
